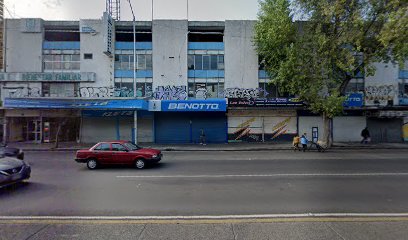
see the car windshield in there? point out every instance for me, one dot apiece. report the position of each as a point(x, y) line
point(131, 146)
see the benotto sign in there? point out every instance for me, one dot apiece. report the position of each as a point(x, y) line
point(194, 106)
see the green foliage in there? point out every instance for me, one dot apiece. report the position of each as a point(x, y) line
point(316, 58)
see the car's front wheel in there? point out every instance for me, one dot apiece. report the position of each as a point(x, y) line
point(92, 164)
point(140, 164)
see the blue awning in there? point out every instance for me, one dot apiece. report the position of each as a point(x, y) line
point(123, 104)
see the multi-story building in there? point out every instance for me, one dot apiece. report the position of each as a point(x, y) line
point(90, 80)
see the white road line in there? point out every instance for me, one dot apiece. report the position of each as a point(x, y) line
point(254, 216)
point(270, 175)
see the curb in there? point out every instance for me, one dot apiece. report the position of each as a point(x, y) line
point(223, 149)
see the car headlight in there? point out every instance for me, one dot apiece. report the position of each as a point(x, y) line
point(154, 156)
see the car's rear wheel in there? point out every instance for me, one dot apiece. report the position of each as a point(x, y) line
point(140, 164)
point(92, 164)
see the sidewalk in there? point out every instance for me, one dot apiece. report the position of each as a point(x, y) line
point(73, 146)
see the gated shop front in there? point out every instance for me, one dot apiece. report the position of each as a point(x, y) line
point(184, 121)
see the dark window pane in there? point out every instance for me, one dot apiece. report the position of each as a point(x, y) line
point(190, 62)
point(214, 62)
point(206, 62)
point(198, 62)
point(221, 62)
point(149, 64)
point(140, 89)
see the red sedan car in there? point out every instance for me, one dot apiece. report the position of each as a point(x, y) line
point(118, 153)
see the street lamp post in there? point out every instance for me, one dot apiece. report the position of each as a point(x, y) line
point(134, 50)
point(134, 129)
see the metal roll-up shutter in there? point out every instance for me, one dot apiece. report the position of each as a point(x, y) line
point(172, 128)
point(213, 124)
point(385, 129)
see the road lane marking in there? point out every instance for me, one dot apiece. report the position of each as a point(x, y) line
point(208, 219)
point(379, 174)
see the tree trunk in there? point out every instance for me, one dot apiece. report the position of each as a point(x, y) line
point(57, 135)
point(327, 133)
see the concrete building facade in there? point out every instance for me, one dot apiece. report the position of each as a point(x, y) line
point(76, 80)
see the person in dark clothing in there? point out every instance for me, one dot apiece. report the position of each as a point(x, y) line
point(366, 135)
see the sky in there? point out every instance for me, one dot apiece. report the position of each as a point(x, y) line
point(163, 9)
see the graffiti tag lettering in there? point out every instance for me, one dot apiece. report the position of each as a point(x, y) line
point(21, 92)
point(379, 94)
point(170, 93)
point(245, 93)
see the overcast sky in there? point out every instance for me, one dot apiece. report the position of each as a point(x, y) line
point(163, 9)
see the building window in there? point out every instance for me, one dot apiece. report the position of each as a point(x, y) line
point(355, 85)
point(125, 62)
point(61, 62)
point(205, 62)
point(271, 90)
point(59, 89)
point(88, 56)
point(212, 88)
point(124, 87)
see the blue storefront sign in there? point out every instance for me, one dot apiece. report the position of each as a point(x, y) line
point(131, 104)
point(354, 100)
point(403, 101)
point(215, 105)
point(107, 113)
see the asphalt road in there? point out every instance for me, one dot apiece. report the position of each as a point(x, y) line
point(215, 183)
point(210, 187)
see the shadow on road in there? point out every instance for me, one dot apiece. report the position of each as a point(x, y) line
point(22, 188)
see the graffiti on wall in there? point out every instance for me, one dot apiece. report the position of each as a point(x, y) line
point(170, 93)
point(201, 93)
point(22, 92)
point(405, 129)
point(82, 92)
point(379, 95)
point(259, 129)
point(246, 93)
point(280, 128)
point(244, 129)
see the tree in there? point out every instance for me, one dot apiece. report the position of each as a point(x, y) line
point(316, 58)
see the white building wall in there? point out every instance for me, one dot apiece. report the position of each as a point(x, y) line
point(241, 59)
point(101, 64)
point(345, 128)
point(170, 52)
point(383, 86)
point(307, 123)
point(348, 129)
point(23, 48)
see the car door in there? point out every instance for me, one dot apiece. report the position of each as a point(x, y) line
point(103, 153)
point(121, 154)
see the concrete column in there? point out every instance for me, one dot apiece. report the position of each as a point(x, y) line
point(134, 129)
point(5, 122)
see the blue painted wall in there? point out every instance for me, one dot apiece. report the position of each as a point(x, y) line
point(129, 45)
point(206, 73)
point(129, 73)
point(61, 45)
point(205, 46)
point(403, 74)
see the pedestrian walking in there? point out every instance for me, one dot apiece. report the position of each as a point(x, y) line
point(304, 141)
point(366, 136)
point(296, 141)
point(202, 137)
